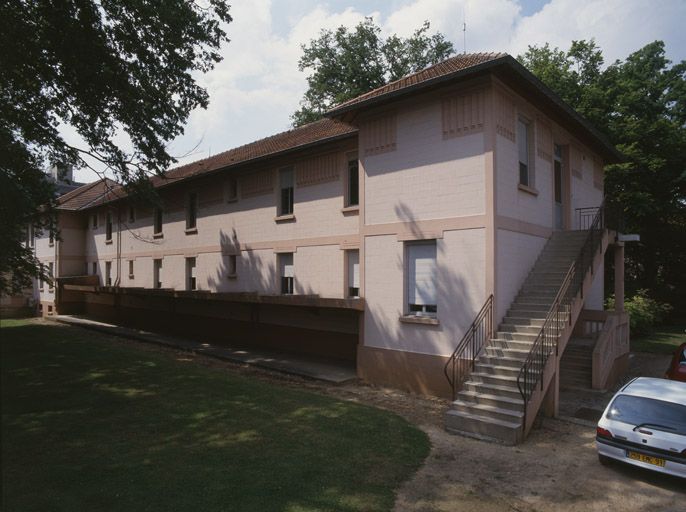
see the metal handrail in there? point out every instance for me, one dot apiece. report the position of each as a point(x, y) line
point(461, 362)
point(559, 314)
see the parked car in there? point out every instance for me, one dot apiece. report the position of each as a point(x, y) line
point(645, 425)
point(677, 368)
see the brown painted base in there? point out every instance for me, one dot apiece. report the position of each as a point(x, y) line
point(409, 371)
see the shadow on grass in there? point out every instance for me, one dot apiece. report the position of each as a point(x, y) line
point(663, 341)
point(93, 424)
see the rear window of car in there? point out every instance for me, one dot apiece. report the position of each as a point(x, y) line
point(653, 414)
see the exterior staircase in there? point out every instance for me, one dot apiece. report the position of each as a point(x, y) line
point(576, 365)
point(490, 404)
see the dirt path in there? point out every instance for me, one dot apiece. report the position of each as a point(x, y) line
point(556, 469)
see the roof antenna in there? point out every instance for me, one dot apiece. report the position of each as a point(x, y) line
point(464, 30)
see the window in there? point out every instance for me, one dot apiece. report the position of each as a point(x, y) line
point(190, 274)
point(286, 180)
point(95, 268)
point(157, 229)
point(30, 237)
point(353, 273)
point(421, 279)
point(94, 221)
point(132, 214)
point(524, 141)
point(353, 183)
point(40, 283)
point(233, 267)
point(192, 210)
point(108, 227)
point(286, 272)
point(131, 269)
point(157, 273)
point(51, 239)
point(85, 268)
point(232, 190)
point(108, 273)
point(51, 270)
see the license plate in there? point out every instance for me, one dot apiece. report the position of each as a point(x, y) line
point(646, 458)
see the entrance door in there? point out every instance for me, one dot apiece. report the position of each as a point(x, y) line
point(557, 169)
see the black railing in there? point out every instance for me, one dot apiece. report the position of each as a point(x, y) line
point(461, 362)
point(560, 312)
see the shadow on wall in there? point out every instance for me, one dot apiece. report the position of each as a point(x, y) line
point(254, 274)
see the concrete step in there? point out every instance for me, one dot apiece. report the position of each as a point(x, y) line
point(479, 426)
point(524, 320)
point(525, 313)
point(517, 336)
point(502, 402)
point(526, 329)
point(516, 344)
point(489, 411)
point(496, 369)
point(501, 361)
point(492, 389)
point(496, 380)
point(529, 307)
point(512, 353)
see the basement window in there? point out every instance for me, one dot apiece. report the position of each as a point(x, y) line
point(287, 273)
point(131, 275)
point(421, 279)
point(353, 273)
point(157, 273)
point(190, 274)
point(233, 265)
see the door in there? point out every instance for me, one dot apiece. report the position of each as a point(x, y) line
point(557, 170)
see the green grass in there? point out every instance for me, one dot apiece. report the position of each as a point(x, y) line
point(664, 340)
point(92, 424)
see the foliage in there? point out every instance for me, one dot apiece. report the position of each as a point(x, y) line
point(346, 63)
point(95, 423)
point(644, 311)
point(640, 104)
point(108, 70)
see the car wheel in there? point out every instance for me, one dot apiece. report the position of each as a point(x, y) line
point(604, 460)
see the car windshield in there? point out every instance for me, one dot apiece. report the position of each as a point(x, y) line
point(651, 413)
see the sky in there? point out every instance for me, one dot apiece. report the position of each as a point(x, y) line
point(257, 86)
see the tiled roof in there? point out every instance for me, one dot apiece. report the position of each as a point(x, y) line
point(319, 131)
point(441, 70)
point(86, 195)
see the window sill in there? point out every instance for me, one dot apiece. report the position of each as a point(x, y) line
point(285, 218)
point(191, 231)
point(158, 235)
point(52, 244)
point(232, 276)
point(352, 210)
point(131, 276)
point(108, 242)
point(527, 189)
point(423, 320)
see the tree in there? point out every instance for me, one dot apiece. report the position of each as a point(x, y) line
point(109, 70)
point(346, 63)
point(640, 103)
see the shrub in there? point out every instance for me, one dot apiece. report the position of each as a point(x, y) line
point(644, 312)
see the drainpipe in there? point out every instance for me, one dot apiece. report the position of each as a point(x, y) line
point(117, 281)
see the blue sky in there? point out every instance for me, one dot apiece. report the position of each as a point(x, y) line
point(257, 86)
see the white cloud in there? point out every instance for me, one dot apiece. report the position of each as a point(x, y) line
point(257, 86)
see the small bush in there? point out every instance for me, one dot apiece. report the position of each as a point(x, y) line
point(644, 312)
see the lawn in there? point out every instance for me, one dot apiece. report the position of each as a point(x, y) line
point(664, 340)
point(90, 423)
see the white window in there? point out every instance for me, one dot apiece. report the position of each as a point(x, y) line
point(286, 199)
point(157, 273)
point(421, 279)
point(286, 273)
point(353, 273)
point(353, 195)
point(524, 147)
point(190, 274)
point(231, 190)
point(157, 228)
point(192, 210)
point(108, 273)
point(108, 227)
point(233, 265)
point(131, 269)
